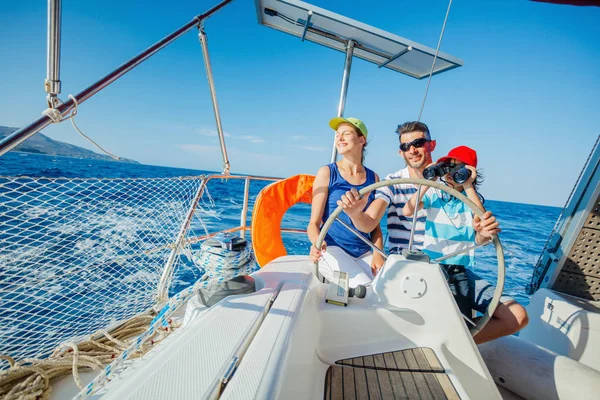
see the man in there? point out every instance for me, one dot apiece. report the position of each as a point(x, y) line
point(416, 147)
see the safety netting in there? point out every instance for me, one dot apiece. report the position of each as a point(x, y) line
point(82, 254)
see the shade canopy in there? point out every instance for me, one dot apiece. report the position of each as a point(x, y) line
point(332, 30)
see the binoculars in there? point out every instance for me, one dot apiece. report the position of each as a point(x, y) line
point(458, 172)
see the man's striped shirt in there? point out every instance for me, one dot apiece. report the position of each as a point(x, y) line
point(398, 225)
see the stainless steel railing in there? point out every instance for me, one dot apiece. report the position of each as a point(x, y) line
point(182, 239)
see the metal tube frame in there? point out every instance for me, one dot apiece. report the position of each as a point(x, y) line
point(52, 82)
point(414, 220)
point(26, 132)
point(162, 294)
point(403, 52)
point(306, 24)
point(213, 94)
point(344, 92)
point(240, 229)
point(244, 215)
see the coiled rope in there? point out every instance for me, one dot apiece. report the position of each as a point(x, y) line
point(30, 378)
point(222, 264)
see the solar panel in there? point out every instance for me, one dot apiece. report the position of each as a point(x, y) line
point(385, 49)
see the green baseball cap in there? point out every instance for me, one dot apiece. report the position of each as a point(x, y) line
point(335, 123)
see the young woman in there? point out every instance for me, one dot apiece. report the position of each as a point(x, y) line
point(342, 249)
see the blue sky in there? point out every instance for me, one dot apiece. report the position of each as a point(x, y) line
point(526, 99)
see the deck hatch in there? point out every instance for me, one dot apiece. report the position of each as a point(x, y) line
point(411, 373)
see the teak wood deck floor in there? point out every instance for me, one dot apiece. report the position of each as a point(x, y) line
point(407, 374)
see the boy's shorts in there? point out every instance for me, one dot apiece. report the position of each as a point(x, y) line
point(470, 291)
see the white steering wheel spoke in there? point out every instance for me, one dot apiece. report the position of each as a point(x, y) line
point(364, 239)
point(463, 251)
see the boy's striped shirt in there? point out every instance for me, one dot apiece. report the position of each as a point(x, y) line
point(449, 228)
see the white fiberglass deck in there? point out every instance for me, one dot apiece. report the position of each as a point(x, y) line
point(285, 349)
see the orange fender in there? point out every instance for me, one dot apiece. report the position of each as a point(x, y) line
point(271, 205)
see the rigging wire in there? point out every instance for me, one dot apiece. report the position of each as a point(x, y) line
point(434, 60)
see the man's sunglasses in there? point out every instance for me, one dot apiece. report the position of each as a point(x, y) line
point(417, 143)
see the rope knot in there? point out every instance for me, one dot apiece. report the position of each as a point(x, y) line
point(53, 114)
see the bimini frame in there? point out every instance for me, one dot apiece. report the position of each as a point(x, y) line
point(355, 39)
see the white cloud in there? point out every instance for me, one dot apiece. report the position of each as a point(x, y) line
point(253, 139)
point(310, 148)
point(215, 134)
point(199, 148)
point(299, 137)
point(240, 154)
point(257, 156)
point(210, 132)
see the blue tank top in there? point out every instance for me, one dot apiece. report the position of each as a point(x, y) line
point(338, 235)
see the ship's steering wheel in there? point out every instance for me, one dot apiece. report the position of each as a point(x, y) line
point(499, 251)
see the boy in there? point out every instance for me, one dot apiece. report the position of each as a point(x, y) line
point(448, 229)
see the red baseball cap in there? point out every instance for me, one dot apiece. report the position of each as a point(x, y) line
point(463, 154)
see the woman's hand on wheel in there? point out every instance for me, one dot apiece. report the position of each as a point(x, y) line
point(353, 203)
point(316, 254)
point(377, 263)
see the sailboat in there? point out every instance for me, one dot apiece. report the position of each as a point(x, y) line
point(282, 331)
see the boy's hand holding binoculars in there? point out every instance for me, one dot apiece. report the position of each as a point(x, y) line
point(469, 182)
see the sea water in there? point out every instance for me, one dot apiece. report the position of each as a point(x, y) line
point(525, 227)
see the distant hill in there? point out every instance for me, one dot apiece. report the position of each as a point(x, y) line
point(42, 144)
